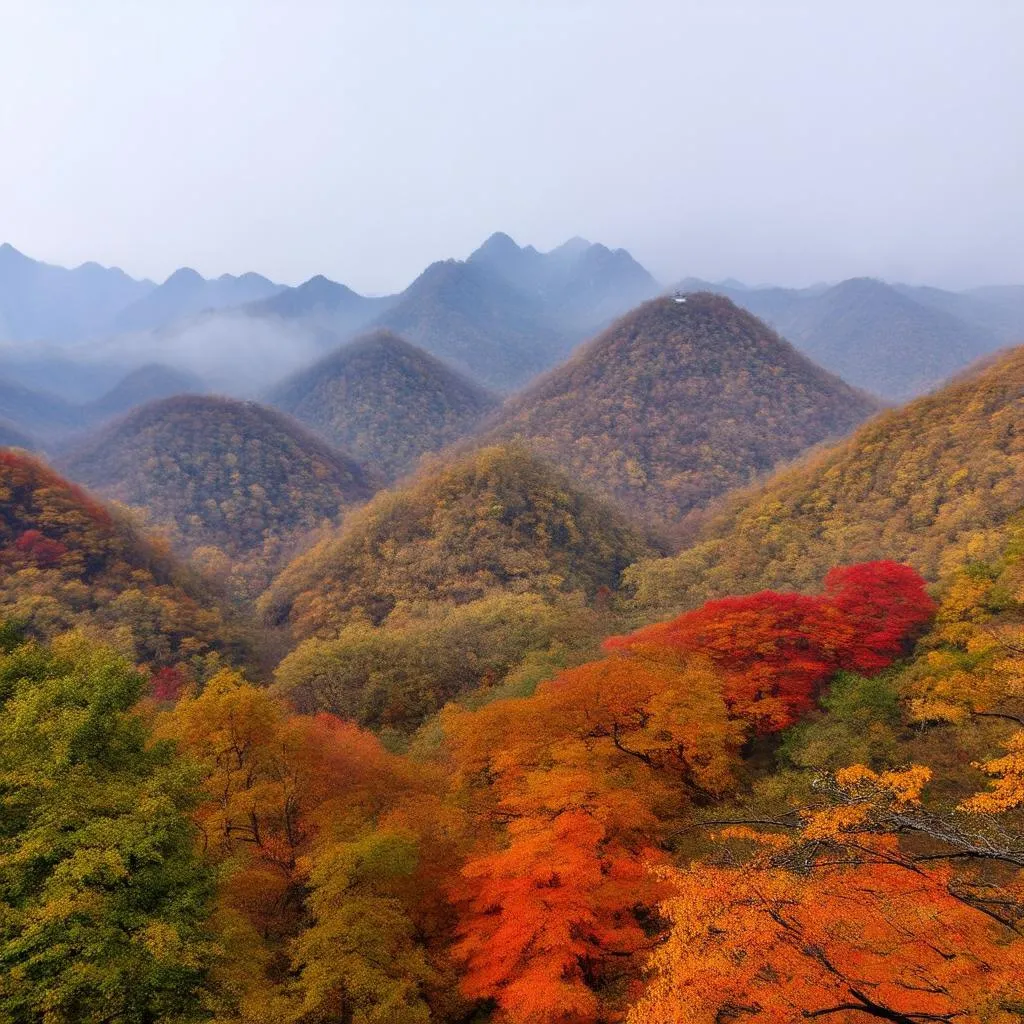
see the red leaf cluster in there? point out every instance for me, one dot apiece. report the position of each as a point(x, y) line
point(776, 650)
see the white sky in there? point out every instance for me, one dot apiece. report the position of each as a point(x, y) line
point(766, 140)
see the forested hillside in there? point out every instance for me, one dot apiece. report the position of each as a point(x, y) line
point(229, 480)
point(496, 520)
point(931, 484)
point(384, 400)
point(676, 403)
point(68, 561)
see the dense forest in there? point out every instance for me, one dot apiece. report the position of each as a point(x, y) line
point(932, 483)
point(278, 746)
point(676, 403)
point(231, 481)
point(70, 562)
point(385, 401)
point(496, 520)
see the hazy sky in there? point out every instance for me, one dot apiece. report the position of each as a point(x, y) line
point(766, 140)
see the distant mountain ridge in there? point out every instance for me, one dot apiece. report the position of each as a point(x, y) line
point(187, 292)
point(896, 341)
point(42, 302)
point(501, 316)
point(580, 284)
point(477, 323)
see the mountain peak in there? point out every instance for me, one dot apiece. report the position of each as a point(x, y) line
point(184, 277)
point(499, 242)
point(722, 398)
point(385, 400)
point(572, 248)
point(292, 481)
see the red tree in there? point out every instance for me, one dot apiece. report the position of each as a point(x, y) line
point(776, 650)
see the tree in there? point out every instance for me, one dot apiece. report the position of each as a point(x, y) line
point(776, 651)
point(576, 784)
point(308, 821)
point(856, 914)
point(102, 896)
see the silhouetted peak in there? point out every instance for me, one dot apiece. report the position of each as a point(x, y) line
point(572, 249)
point(184, 278)
point(498, 246)
point(11, 256)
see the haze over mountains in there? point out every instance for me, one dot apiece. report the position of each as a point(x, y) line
point(501, 316)
point(894, 340)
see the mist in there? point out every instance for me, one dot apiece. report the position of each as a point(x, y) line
point(789, 143)
point(234, 354)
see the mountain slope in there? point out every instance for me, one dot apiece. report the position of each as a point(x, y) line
point(478, 323)
point(581, 285)
point(678, 402)
point(893, 340)
point(68, 561)
point(991, 311)
point(496, 520)
point(384, 400)
point(186, 293)
point(323, 304)
point(230, 474)
point(145, 384)
point(931, 484)
point(37, 413)
point(878, 339)
point(40, 302)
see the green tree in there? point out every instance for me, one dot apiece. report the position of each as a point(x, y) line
point(359, 960)
point(102, 896)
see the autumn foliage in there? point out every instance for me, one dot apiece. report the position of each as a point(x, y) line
point(775, 651)
point(580, 781)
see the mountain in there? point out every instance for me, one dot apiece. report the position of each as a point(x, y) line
point(37, 413)
point(332, 307)
point(186, 293)
point(677, 402)
point(991, 311)
point(932, 484)
point(145, 384)
point(878, 339)
point(477, 323)
point(893, 340)
point(40, 302)
point(68, 561)
point(581, 285)
point(222, 473)
point(11, 437)
point(498, 519)
point(384, 400)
